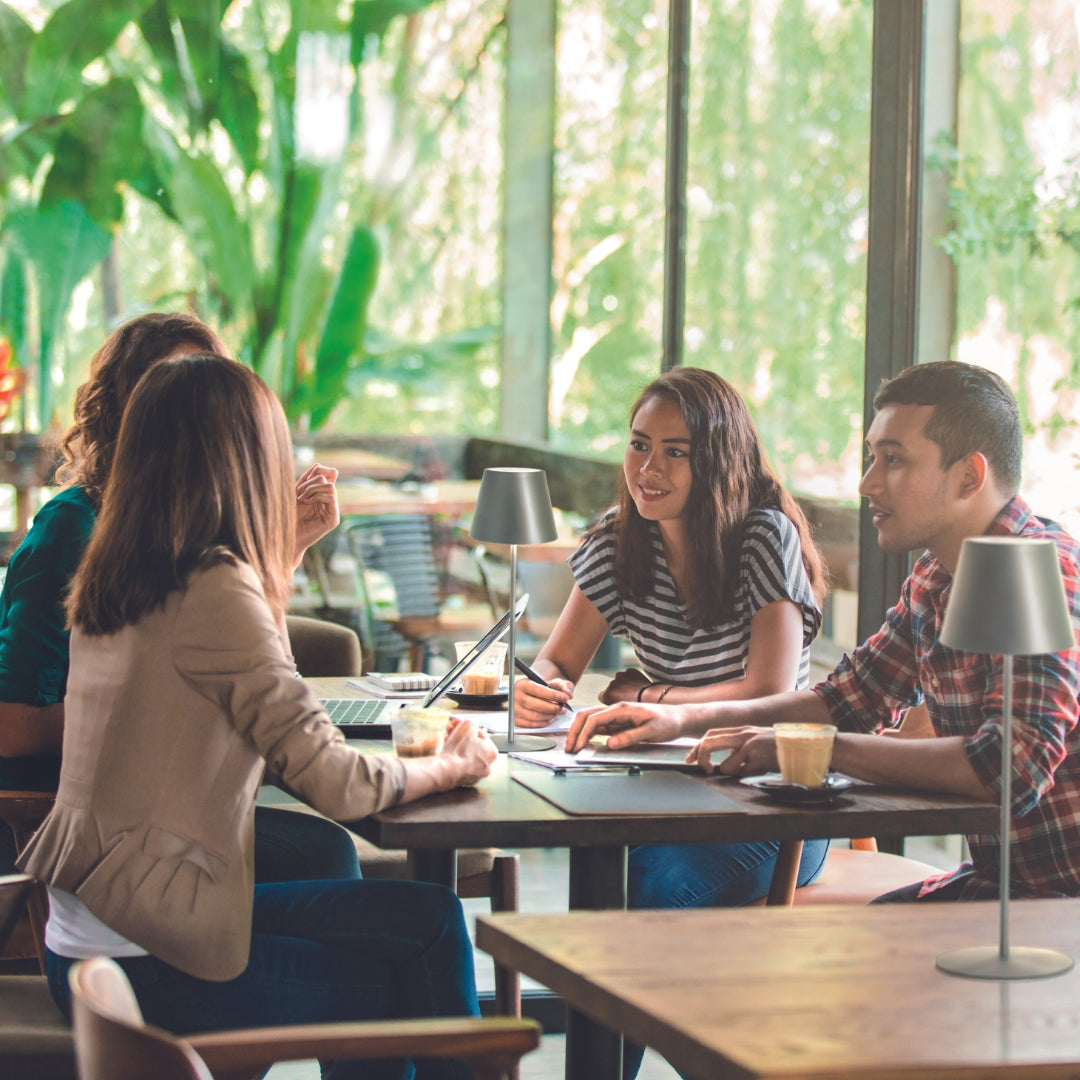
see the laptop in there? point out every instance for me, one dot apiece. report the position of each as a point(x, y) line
point(369, 718)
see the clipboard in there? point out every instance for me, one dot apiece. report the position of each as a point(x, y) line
point(628, 791)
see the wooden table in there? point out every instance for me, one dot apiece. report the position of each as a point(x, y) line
point(780, 993)
point(501, 813)
point(353, 462)
point(450, 498)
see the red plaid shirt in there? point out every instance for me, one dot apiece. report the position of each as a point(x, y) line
point(904, 663)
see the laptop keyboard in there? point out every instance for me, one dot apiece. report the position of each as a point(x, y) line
point(359, 717)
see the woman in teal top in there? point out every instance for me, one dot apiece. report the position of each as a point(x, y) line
point(33, 635)
point(34, 641)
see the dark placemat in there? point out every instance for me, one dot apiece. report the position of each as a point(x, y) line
point(646, 792)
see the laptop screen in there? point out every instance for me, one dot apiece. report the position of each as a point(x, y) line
point(494, 634)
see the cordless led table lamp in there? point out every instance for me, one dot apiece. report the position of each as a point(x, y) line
point(513, 507)
point(1007, 597)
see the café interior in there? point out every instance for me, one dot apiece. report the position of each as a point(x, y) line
point(454, 503)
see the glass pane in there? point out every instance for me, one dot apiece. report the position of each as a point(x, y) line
point(608, 264)
point(776, 251)
point(1015, 211)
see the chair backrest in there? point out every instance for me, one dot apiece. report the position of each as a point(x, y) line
point(323, 648)
point(111, 1041)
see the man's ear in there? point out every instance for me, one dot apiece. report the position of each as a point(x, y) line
point(974, 474)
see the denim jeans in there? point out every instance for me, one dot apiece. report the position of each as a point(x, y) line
point(293, 846)
point(323, 952)
point(706, 876)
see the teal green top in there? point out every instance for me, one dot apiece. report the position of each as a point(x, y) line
point(33, 638)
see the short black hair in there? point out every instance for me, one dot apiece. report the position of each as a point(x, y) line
point(974, 412)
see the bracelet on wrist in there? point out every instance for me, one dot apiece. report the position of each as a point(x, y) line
point(663, 693)
point(643, 688)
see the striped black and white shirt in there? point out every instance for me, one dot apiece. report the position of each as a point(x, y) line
point(668, 650)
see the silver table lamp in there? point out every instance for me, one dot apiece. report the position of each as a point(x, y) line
point(1007, 597)
point(514, 507)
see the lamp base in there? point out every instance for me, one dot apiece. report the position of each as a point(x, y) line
point(984, 962)
point(521, 743)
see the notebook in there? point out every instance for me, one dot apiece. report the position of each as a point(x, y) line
point(369, 718)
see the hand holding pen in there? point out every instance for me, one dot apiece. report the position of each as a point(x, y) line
point(536, 701)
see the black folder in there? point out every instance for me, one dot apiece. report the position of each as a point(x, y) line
point(628, 792)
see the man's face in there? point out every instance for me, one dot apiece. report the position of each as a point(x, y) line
point(915, 503)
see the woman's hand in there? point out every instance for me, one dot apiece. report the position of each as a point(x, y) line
point(625, 686)
point(469, 752)
point(626, 724)
point(317, 511)
point(536, 705)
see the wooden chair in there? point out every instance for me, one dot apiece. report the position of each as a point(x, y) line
point(113, 1043)
point(23, 812)
point(403, 546)
point(35, 1039)
point(858, 874)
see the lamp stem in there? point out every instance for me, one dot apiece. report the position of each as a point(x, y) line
point(513, 645)
point(1006, 804)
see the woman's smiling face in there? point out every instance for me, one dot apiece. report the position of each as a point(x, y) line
point(657, 460)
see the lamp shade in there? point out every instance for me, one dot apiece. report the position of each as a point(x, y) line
point(1008, 597)
point(513, 507)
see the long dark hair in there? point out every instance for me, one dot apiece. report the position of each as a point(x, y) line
point(731, 477)
point(203, 473)
point(127, 354)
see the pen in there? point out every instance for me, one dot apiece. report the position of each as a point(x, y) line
point(529, 673)
point(526, 670)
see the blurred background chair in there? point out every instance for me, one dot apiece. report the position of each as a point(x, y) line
point(23, 812)
point(403, 546)
point(322, 648)
point(35, 1039)
point(113, 1043)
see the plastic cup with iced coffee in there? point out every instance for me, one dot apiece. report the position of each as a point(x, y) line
point(804, 752)
point(418, 732)
point(486, 674)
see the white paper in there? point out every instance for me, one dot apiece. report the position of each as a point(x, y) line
point(498, 722)
point(655, 755)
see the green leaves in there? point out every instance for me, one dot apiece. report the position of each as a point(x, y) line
point(78, 33)
point(99, 146)
point(344, 330)
point(62, 245)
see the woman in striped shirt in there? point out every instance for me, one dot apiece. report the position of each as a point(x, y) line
point(707, 565)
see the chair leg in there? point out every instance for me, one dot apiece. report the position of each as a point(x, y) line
point(506, 896)
point(37, 907)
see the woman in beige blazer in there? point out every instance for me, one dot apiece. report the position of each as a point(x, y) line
point(181, 692)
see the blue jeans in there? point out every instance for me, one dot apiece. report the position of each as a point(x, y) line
point(293, 846)
point(705, 876)
point(324, 951)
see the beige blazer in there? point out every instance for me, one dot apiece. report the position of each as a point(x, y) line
point(168, 727)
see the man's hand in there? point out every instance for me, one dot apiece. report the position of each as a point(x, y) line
point(626, 724)
point(753, 751)
point(317, 511)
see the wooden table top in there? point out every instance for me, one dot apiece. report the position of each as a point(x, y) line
point(810, 992)
point(451, 498)
point(353, 462)
point(501, 813)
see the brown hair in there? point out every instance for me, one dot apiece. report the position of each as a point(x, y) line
point(731, 477)
point(115, 369)
point(974, 412)
point(202, 474)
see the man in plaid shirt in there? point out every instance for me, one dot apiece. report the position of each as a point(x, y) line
point(944, 464)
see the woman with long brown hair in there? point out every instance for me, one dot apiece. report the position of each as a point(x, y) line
point(707, 565)
point(33, 635)
point(181, 691)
